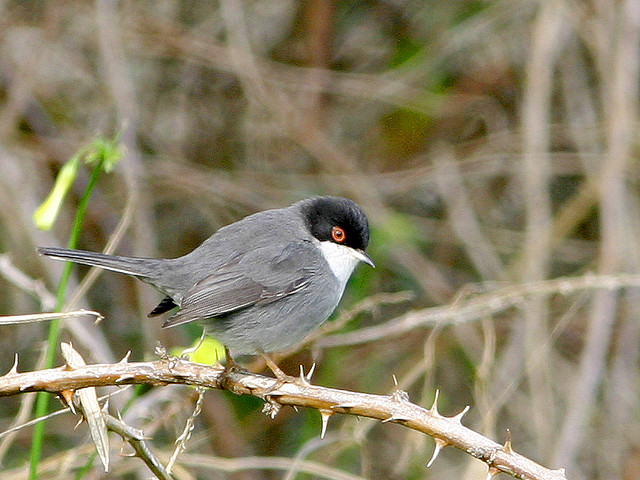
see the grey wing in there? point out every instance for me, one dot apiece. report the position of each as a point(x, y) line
point(260, 276)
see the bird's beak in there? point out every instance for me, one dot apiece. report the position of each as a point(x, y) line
point(363, 257)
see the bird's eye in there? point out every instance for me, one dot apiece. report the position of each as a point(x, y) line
point(338, 234)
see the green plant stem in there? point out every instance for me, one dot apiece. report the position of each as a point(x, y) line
point(42, 402)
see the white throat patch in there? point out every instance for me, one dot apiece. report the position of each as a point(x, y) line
point(341, 260)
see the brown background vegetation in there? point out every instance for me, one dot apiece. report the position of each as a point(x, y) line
point(492, 144)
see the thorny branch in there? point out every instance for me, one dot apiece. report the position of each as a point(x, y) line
point(396, 408)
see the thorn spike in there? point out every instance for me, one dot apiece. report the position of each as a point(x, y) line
point(507, 444)
point(303, 377)
point(125, 359)
point(14, 367)
point(67, 398)
point(395, 380)
point(440, 444)
point(122, 451)
point(325, 415)
point(125, 376)
point(493, 471)
point(311, 370)
point(395, 418)
point(458, 418)
point(434, 407)
point(344, 405)
point(79, 422)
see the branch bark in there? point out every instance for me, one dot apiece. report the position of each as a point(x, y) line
point(396, 408)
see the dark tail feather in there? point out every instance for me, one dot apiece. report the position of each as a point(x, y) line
point(165, 305)
point(139, 267)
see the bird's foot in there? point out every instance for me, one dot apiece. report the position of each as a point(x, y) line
point(281, 377)
point(230, 367)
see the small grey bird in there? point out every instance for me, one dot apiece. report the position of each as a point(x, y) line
point(260, 284)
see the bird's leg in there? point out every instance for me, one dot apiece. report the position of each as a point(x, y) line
point(229, 367)
point(281, 377)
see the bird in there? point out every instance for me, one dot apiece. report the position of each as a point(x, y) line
point(260, 284)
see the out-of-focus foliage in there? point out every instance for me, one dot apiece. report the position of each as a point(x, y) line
point(100, 149)
point(492, 144)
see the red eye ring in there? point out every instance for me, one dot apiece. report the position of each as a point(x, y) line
point(338, 234)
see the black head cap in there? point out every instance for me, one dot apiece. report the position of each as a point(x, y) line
point(322, 214)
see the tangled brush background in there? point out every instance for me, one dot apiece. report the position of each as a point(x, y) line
point(493, 146)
